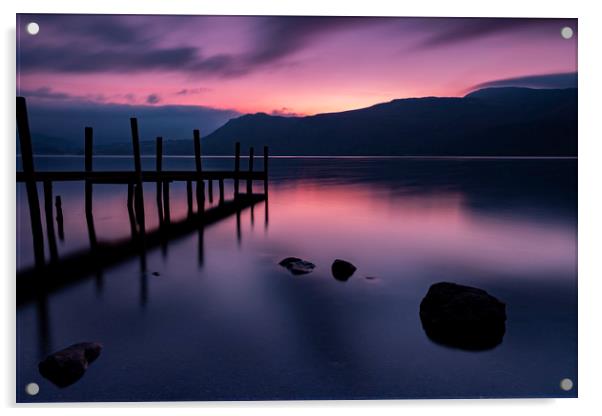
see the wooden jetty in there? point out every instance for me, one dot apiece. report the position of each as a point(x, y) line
point(44, 275)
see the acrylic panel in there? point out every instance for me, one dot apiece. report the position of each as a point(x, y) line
point(291, 208)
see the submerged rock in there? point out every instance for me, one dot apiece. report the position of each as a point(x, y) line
point(342, 270)
point(296, 265)
point(463, 317)
point(66, 366)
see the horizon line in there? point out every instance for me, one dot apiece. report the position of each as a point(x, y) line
point(147, 156)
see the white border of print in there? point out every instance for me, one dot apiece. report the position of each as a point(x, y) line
point(590, 206)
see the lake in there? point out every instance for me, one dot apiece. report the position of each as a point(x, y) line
point(212, 316)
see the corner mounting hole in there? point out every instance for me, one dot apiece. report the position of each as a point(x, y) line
point(566, 32)
point(33, 28)
point(32, 389)
point(566, 384)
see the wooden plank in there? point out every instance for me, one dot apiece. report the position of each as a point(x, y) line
point(30, 184)
point(128, 176)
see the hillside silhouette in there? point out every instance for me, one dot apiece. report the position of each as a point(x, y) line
point(503, 121)
point(493, 121)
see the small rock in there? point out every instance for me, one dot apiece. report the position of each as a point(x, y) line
point(66, 366)
point(463, 317)
point(342, 270)
point(371, 277)
point(296, 265)
point(289, 260)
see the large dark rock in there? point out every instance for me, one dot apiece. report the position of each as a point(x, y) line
point(463, 317)
point(342, 270)
point(296, 265)
point(66, 366)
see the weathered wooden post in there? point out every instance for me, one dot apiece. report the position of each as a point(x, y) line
point(159, 166)
point(166, 209)
point(139, 192)
point(267, 215)
point(88, 185)
point(250, 179)
point(221, 190)
point(265, 171)
point(200, 191)
point(189, 196)
point(131, 212)
point(210, 190)
point(30, 184)
point(236, 167)
point(58, 204)
point(50, 221)
point(88, 166)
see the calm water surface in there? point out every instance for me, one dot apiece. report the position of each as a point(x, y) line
point(223, 321)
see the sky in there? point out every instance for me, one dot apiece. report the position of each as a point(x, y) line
point(282, 65)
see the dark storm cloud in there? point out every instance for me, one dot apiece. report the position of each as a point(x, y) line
point(456, 30)
point(282, 36)
point(129, 44)
point(562, 80)
point(48, 94)
point(89, 44)
point(45, 93)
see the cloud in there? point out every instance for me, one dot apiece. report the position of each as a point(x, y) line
point(449, 31)
point(153, 99)
point(47, 93)
point(281, 36)
point(559, 80)
point(285, 112)
point(192, 91)
point(75, 44)
point(94, 44)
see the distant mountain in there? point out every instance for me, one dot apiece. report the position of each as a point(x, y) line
point(50, 145)
point(492, 121)
point(58, 127)
point(489, 122)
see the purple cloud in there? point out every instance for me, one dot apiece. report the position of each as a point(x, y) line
point(562, 80)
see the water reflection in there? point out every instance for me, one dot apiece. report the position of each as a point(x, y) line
point(100, 255)
point(233, 313)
